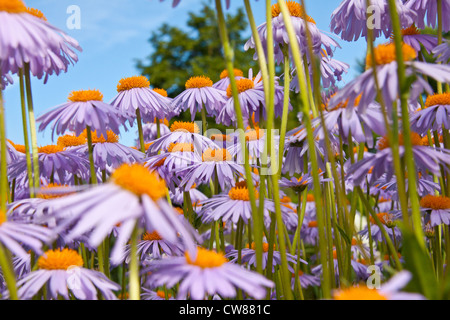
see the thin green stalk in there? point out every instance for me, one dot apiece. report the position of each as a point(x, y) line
point(140, 130)
point(3, 164)
point(8, 273)
point(91, 155)
point(135, 284)
point(33, 132)
point(408, 156)
point(306, 108)
point(25, 133)
point(229, 57)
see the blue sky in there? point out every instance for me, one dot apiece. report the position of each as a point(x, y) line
point(113, 34)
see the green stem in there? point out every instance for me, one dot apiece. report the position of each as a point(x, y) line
point(8, 273)
point(91, 155)
point(33, 133)
point(135, 285)
point(408, 156)
point(140, 130)
point(25, 133)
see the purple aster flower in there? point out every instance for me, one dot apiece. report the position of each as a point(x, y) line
point(54, 162)
point(425, 157)
point(234, 205)
point(429, 9)
point(153, 246)
point(182, 132)
point(150, 130)
point(388, 221)
point(425, 185)
point(359, 268)
point(132, 195)
point(249, 257)
point(364, 85)
point(224, 81)
point(208, 274)
point(109, 153)
point(22, 266)
point(388, 291)
point(85, 108)
point(14, 236)
point(434, 116)
point(29, 38)
point(306, 280)
point(350, 21)
point(196, 196)
point(199, 94)
point(5, 80)
point(350, 120)
point(134, 94)
point(63, 273)
point(251, 100)
point(437, 209)
point(416, 39)
point(216, 165)
point(442, 52)
point(148, 294)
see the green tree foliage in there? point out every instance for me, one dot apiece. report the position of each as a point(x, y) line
point(195, 50)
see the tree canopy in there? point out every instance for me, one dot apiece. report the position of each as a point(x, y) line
point(196, 50)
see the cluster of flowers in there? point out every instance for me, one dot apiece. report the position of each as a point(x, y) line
point(76, 212)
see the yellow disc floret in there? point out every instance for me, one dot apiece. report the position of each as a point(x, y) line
point(60, 260)
point(206, 259)
point(242, 85)
point(435, 202)
point(295, 9)
point(240, 192)
point(237, 73)
point(385, 54)
point(37, 13)
point(44, 193)
point(126, 84)
point(50, 149)
point(161, 92)
point(140, 181)
point(198, 82)
point(191, 127)
point(96, 138)
point(13, 6)
point(69, 140)
point(216, 155)
point(181, 147)
point(85, 96)
point(358, 293)
point(153, 236)
point(438, 99)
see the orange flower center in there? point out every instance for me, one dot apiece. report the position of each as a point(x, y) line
point(438, 99)
point(385, 54)
point(71, 141)
point(199, 82)
point(411, 31)
point(312, 224)
point(295, 9)
point(13, 6)
point(19, 148)
point(383, 216)
point(3, 217)
point(358, 293)
point(37, 13)
point(242, 85)
point(60, 260)
point(216, 155)
point(154, 236)
point(207, 259)
point(435, 202)
point(181, 147)
point(138, 180)
point(191, 127)
point(133, 82)
point(111, 137)
point(50, 149)
point(162, 294)
point(220, 137)
point(237, 73)
point(416, 140)
point(265, 246)
point(240, 192)
point(86, 95)
point(161, 92)
point(254, 135)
